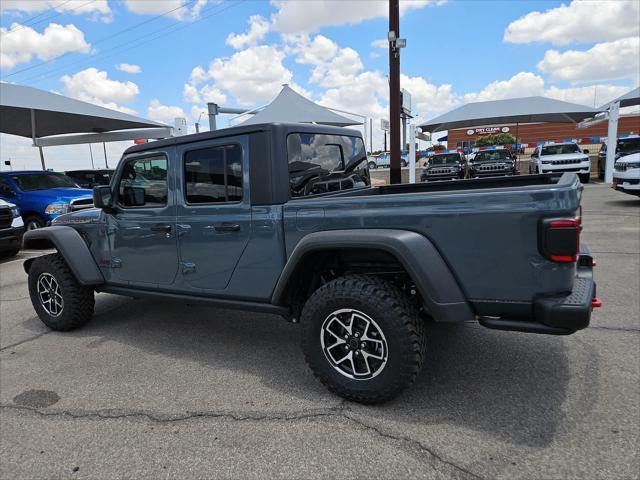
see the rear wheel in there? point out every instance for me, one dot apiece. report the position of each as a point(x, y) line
point(372, 165)
point(363, 338)
point(59, 300)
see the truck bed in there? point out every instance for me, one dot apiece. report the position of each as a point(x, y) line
point(486, 229)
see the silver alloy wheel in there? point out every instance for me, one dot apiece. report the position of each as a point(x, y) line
point(50, 294)
point(354, 344)
point(32, 225)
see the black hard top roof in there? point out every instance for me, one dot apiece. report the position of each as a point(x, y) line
point(282, 129)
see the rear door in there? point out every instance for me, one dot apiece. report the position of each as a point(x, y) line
point(214, 210)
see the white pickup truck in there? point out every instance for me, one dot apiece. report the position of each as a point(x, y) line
point(560, 158)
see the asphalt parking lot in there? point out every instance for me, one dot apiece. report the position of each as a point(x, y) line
point(160, 390)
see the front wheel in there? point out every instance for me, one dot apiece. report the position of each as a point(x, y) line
point(33, 222)
point(363, 338)
point(59, 300)
point(585, 177)
point(372, 165)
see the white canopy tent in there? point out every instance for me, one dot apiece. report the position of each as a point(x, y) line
point(50, 119)
point(291, 107)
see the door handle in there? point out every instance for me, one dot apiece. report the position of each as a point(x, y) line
point(226, 227)
point(161, 228)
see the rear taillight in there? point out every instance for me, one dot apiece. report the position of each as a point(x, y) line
point(560, 239)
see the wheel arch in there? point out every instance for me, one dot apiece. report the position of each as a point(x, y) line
point(438, 288)
point(68, 242)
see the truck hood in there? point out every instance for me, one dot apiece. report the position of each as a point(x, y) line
point(88, 215)
point(565, 156)
point(633, 158)
point(60, 194)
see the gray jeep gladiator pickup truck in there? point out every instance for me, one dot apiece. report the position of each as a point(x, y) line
point(282, 218)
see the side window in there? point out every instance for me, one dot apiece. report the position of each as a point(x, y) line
point(321, 163)
point(213, 175)
point(144, 183)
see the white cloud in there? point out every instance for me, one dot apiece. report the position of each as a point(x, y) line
point(190, 93)
point(380, 43)
point(258, 29)
point(253, 75)
point(526, 84)
point(129, 68)
point(198, 75)
point(296, 16)
point(605, 61)
point(164, 113)
point(580, 21)
point(180, 9)
point(99, 8)
point(94, 86)
point(21, 45)
point(428, 98)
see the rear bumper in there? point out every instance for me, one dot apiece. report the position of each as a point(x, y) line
point(557, 315)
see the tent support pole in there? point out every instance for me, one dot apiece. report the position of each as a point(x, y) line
point(91, 154)
point(33, 137)
point(104, 147)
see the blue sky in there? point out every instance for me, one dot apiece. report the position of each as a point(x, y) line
point(181, 53)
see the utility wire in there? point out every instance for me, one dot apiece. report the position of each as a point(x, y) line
point(129, 46)
point(26, 22)
point(21, 26)
point(108, 37)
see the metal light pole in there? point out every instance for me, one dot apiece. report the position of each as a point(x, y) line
point(612, 140)
point(104, 148)
point(91, 153)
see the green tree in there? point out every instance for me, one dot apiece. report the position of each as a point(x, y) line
point(499, 139)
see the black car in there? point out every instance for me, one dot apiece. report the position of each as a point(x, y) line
point(90, 178)
point(626, 146)
point(447, 165)
point(492, 163)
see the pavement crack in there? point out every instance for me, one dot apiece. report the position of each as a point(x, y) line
point(35, 337)
point(13, 299)
point(339, 411)
point(617, 329)
point(433, 456)
point(115, 414)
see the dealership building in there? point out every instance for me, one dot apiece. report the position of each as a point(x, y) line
point(530, 134)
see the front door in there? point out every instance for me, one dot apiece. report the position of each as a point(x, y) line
point(214, 210)
point(142, 232)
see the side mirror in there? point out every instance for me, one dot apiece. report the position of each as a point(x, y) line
point(102, 197)
point(585, 151)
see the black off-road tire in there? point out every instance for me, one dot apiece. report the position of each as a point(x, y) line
point(78, 301)
point(398, 319)
point(373, 165)
point(585, 177)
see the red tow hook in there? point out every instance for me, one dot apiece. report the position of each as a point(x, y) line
point(593, 263)
point(596, 302)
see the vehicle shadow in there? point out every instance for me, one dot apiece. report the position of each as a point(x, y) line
point(508, 385)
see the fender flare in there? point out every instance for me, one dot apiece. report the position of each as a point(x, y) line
point(437, 285)
point(72, 248)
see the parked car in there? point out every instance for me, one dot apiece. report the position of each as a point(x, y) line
point(384, 160)
point(443, 165)
point(560, 158)
point(42, 196)
point(626, 145)
point(11, 229)
point(282, 218)
point(626, 174)
point(90, 178)
point(492, 162)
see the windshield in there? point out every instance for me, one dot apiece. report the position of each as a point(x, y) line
point(492, 156)
point(320, 163)
point(42, 181)
point(628, 145)
point(560, 149)
point(444, 159)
